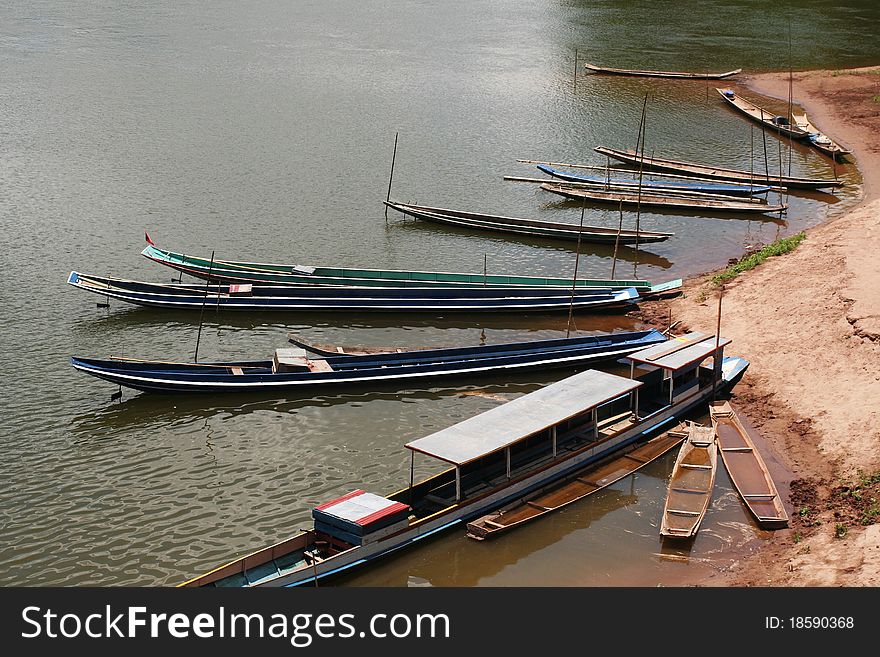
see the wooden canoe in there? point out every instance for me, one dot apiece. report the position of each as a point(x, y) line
point(691, 484)
point(819, 140)
point(766, 118)
point(712, 172)
point(530, 227)
point(586, 482)
point(664, 201)
point(662, 74)
point(746, 467)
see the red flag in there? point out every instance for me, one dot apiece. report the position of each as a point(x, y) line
point(149, 241)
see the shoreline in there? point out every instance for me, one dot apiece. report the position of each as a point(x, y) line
point(809, 323)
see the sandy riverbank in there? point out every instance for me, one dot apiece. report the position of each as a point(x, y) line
point(809, 322)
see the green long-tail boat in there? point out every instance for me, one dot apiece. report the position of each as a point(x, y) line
point(251, 272)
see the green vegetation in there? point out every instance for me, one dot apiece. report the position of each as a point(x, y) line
point(840, 530)
point(780, 247)
point(797, 537)
point(869, 515)
point(876, 99)
point(804, 512)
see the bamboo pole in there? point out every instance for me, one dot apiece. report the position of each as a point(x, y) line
point(574, 278)
point(715, 364)
point(202, 315)
point(391, 177)
point(617, 242)
point(575, 69)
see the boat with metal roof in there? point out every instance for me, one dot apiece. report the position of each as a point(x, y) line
point(494, 458)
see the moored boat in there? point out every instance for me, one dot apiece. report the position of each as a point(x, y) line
point(663, 74)
point(819, 140)
point(583, 483)
point(530, 227)
point(747, 468)
point(666, 201)
point(294, 369)
point(730, 189)
point(714, 173)
point(691, 484)
point(494, 458)
point(780, 124)
point(257, 272)
point(311, 298)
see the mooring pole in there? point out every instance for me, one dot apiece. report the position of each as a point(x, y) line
point(716, 366)
point(574, 278)
point(391, 177)
point(202, 315)
point(575, 69)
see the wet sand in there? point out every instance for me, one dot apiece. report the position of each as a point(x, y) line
point(809, 323)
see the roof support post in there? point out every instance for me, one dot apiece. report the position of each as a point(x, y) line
point(596, 424)
point(636, 403)
point(553, 439)
point(507, 457)
point(412, 465)
point(457, 483)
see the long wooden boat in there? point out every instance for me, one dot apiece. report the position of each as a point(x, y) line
point(292, 368)
point(715, 173)
point(667, 202)
point(324, 349)
point(780, 124)
point(258, 272)
point(662, 74)
point(746, 467)
point(691, 484)
point(494, 458)
point(312, 298)
point(731, 189)
point(583, 483)
point(819, 140)
point(530, 227)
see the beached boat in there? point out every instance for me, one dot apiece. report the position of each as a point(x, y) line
point(746, 467)
point(257, 272)
point(496, 457)
point(312, 298)
point(691, 484)
point(666, 201)
point(715, 173)
point(780, 124)
point(585, 482)
point(293, 369)
point(662, 74)
point(819, 140)
point(729, 189)
point(530, 227)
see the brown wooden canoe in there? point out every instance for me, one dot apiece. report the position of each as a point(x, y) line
point(766, 118)
point(662, 74)
point(746, 467)
point(585, 482)
point(691, 484)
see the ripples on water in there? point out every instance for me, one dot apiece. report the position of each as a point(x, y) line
point(268, 135)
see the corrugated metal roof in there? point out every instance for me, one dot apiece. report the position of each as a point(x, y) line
point(693, 348)
point(522, 417)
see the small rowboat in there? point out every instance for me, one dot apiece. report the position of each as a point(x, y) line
point(658, 185)
point(712, 172)
point(662, 74)
point(582, 484)
point(311, 298)
point(292, 369)
point(746, 467)
point(768, 119)
point(665, 201)
point(533, 228)
point(261, 272)
point(820, 141)
point(691, 484)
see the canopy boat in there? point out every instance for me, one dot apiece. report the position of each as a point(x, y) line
point(496, 457)
point(292, 368)
point(665, 201)
point(780, 124)
point(819, 140)
point(312, 298)
point(746, 467)
point(662, 74)
point(691, 484)
point(715, 173)
point(256, 272)
point(585, 482)
point(530, 227)
point(732, 189)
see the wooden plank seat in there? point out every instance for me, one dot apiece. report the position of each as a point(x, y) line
point(319, 366)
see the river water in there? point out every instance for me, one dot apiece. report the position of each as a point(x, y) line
point(265, 131)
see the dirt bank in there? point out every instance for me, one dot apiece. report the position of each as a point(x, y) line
point(809, 323)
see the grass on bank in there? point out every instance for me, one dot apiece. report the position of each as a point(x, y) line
point(779, 247)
